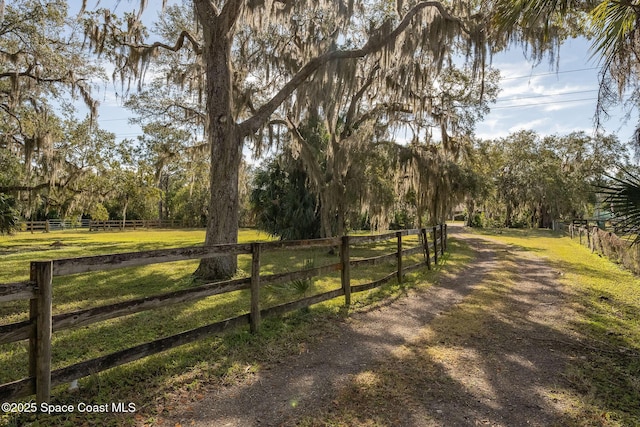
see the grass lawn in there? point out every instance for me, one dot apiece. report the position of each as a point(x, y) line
point(222, 358)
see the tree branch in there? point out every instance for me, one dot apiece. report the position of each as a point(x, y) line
point(32, 76)
point(380, 108)
point(176, 47)
point(14, 188)
point(206, 10)
point(348, 122)
point(375, 43)
point(306, 154)
point(229, 15)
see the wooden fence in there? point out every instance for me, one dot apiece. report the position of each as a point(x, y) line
point(58, 224)
point(40, 326)
point(51, 225)
point(607, 244)
point(135, 224)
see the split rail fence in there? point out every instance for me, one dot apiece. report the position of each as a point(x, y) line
point(57, 224)
point(135, 223)
point(42, 323)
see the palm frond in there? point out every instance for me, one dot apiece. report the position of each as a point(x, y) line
point(622, 197)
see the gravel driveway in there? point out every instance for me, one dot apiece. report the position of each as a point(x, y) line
point(504, 376)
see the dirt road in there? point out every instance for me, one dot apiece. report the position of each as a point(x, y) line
point(502, 370)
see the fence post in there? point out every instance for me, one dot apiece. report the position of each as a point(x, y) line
point(600, 241)
point(40, 345)
point(255, 288)
point(346, 272)
point(33, 320)
point(399, 237)
point(442, 239)
point(446, 236)
point(580, 234)
point(435, 245)
point(46, 226)
point(426, 247)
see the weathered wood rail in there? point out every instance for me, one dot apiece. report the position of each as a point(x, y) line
point(40, 326)
point(51, 225)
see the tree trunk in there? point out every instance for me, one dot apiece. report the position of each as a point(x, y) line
point(226, 136)
point(470, 209)
point(340, 219)
point(325, 214)
point(124, 213)
point(226, 154)
point(160, 199)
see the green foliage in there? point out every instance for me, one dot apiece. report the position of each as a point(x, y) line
point(281, 198)
point(299, 287)
point(8, 214)
point(302, 286)
point(622, 198)
point(11, 170)
point(528, 181)
point(99, 213)
point(43, 65)
point(282, 203)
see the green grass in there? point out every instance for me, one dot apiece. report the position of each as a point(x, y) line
point(219, 358)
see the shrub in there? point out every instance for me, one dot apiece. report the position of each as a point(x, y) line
point(8, 214)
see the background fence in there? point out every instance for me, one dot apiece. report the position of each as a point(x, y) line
point(58, 224)
point(42, 323)
point(606, 243)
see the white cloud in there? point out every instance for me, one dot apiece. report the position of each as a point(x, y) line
point(532, 124)
point(548, 99)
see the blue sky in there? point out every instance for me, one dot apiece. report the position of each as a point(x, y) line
point(551, 98)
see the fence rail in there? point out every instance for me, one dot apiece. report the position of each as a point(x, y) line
point(40, 326)
point(135, 224)
point(58, 224)
point(53, 224)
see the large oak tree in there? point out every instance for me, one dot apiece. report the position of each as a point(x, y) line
point(255, 54)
